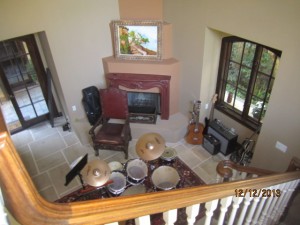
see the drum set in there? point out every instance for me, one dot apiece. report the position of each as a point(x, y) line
point(128, 178)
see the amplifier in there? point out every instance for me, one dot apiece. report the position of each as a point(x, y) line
point(211, 144)
point(227, 138)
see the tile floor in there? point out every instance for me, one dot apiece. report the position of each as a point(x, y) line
point(48, 152)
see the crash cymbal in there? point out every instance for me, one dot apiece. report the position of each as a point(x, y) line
point(96, 173)
point(150, 146)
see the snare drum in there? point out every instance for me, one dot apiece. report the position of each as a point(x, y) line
point(136, 170)
point(118, 184)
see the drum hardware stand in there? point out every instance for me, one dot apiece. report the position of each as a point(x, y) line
point(244, 155)
point(75, 171)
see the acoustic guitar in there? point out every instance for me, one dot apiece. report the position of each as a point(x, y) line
point(211, 114)
point(195, 129)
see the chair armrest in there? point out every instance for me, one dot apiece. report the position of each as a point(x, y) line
point(92, 130)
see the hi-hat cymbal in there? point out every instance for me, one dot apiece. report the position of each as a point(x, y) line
point(96, 173)
point(150, 146)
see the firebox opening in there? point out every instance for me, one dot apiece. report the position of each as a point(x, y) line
point(143, 106)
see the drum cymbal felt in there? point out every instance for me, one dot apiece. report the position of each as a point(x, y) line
point(150, 146)
point(96, 173)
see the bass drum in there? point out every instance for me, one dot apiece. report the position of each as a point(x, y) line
point(136, 170)
point(118, 184)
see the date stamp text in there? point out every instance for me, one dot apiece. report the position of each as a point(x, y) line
point(258, 192)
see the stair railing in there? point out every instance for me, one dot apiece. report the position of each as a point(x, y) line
point(28, 207)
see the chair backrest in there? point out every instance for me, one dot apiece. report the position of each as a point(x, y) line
point(114, 103)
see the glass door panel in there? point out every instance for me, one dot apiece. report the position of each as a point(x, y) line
point(21, 79)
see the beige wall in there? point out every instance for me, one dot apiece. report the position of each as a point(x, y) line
point(75, 36)
point(77, 33)
point(273, 23)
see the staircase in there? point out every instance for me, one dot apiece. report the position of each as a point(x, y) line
point(245, 195)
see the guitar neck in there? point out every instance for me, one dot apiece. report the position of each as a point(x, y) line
point(211, 114)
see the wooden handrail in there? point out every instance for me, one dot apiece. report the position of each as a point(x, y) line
point(26, 205)
point(294, 164)
point(224, 169)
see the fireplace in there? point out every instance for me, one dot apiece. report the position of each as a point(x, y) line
point(143, 107)
point(140, 83)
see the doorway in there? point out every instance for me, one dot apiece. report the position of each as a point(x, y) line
point(23, 84)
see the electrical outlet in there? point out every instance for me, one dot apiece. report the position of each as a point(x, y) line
point(74, 108)
point(206, 106)
point(280, 146)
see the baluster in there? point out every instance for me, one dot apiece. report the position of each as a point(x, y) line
point(289, 191)
point(170, 216)
point(259, 210)
point(244, 175)
point(252, 210)
point(210, 208)
point(143, 220)
point(236, 204)
point(274, 199)
point(278, 208)
point(192, 212)
point(219, 179)
point(262, 219)
point(247, 201)
point(225, 203)
point(234, 175)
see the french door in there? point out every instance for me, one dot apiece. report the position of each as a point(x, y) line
point(23, 83)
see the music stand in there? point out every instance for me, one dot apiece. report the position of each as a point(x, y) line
point(75, 171)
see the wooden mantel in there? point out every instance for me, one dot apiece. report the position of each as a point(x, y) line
point(144, 82)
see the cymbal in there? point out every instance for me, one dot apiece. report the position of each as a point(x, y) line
point(96, 173)
point(150, 146)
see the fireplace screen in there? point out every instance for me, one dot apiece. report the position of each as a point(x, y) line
point(143, 107)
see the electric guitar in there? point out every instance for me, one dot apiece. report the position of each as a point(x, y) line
point(211, 114)
point(195, 129)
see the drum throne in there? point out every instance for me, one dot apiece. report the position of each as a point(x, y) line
point(108, 133)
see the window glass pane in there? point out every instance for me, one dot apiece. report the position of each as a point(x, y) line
point(22, 97)
point(261, 85)
point(36, 94)
point(237, 51)
point(229, 94)
point(28, 112)
point(41, 108)
point(233, 73)
point(257, 109)
point(266, 61)
point(244, 78)
point(249, 53)
point(240, 100)
point(254, 111)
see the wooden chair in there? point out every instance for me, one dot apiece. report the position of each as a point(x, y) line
point(107, 134)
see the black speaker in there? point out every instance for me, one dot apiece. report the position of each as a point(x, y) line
point(226, 136)
point(211, 144)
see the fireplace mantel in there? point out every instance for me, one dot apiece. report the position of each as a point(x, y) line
point(144, 82)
